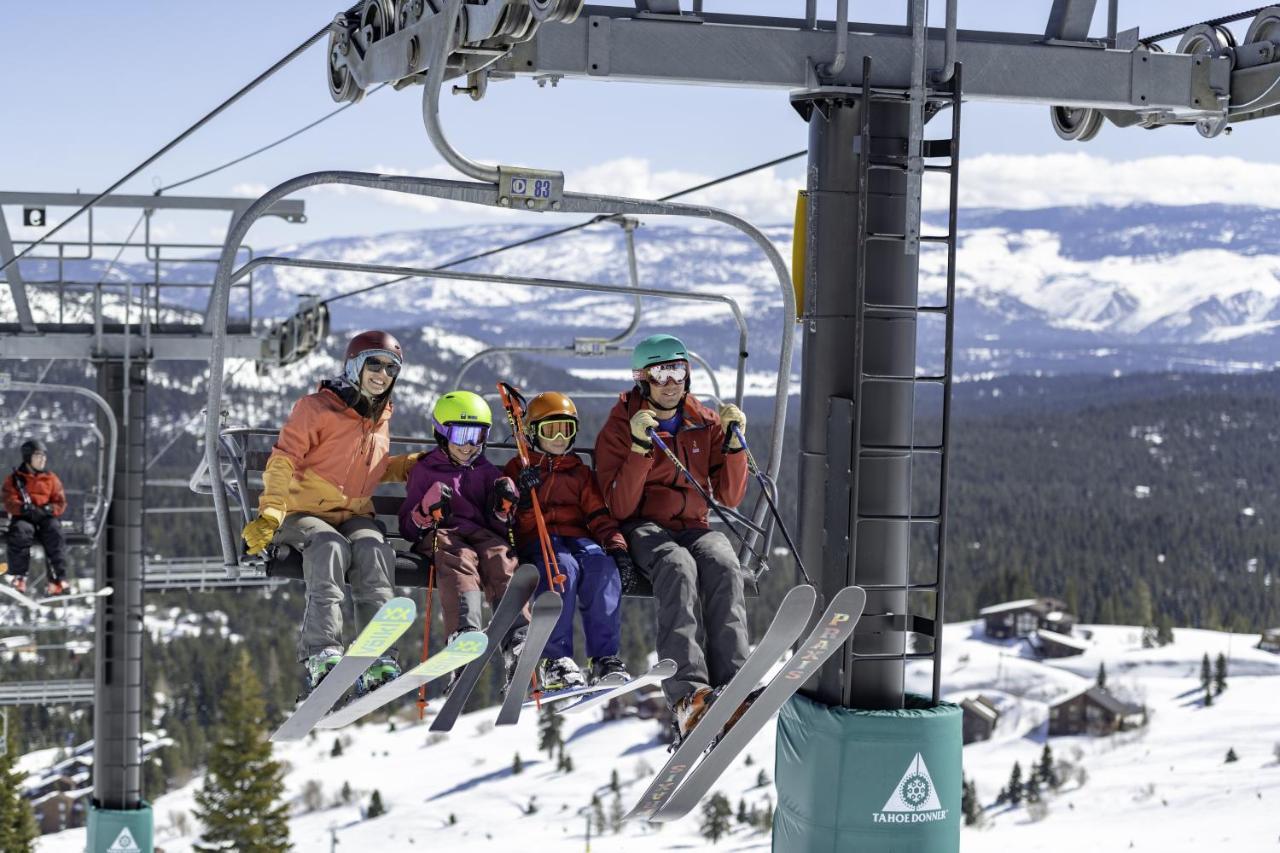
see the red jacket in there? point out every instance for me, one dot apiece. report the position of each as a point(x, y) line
point(570, 499)
point(42, 487)
point(647, 486)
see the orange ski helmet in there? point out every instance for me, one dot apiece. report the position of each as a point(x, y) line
point(549, 405)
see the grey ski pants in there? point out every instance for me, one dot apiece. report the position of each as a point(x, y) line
point(702, 613)
point(355, 551)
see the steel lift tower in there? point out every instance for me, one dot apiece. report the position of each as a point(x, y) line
point(122, 325)
point(863, 765)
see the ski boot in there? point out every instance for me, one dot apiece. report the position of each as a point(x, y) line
point(688, 711)
point(737, 715)
point(316, 667)
point(510, 659)
point(19, 583)
point(383, 670)
point(559, 674)
point(608, 669)
point(57, 587)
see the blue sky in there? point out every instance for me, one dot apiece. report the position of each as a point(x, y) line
point(95, 87)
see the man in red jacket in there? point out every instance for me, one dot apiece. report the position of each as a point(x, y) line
point(696, 578)
point(34, 499)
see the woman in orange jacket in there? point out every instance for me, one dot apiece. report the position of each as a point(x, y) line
point(317, 491)
point(34, 499)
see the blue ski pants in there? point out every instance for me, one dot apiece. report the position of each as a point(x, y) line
point(592, 582)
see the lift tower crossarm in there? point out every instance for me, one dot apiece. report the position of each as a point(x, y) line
point(742, 51)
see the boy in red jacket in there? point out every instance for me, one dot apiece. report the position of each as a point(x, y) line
point(34, 499)
point(589, 548)
point(697, 582)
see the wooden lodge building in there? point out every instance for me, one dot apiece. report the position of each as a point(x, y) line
point(1024, 617)
point(1051, 644)
point(1094, 711)
point(979, 718)
point(1270, 640)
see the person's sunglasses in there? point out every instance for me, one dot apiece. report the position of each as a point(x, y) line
point(465, 433)
point(375, 365)
point(663, 374)
point(551, 430)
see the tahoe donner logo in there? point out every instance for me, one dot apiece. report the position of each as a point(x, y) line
point(914, 799)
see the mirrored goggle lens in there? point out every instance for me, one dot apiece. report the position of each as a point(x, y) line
point(390, 368)
point(555, 429)
point(459, 434)
point(662, 374)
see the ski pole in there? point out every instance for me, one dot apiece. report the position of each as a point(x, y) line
point(675, 460)
point(764, 487)
point(511, 402)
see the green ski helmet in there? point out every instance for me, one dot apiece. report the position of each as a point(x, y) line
point(461, 417)
point(656, 349)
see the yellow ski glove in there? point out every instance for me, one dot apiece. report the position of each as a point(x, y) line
point(258, 533)
point(729, 415)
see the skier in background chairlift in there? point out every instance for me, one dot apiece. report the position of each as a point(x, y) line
point(458, 509)
point(694, 570)
point(317, 486)
point(589, 548)
point(34, 499)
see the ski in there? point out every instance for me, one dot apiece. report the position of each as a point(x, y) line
point(519, 588)
point(546, 613)
point(391, 620)
point(788, 623)
point(827, 637)
point(464, 649)
point(608, 682)
point(48, 602)
point(657, 674)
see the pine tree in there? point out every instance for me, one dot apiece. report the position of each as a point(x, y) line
point(376, 808)
point(1044, 770)
point(549, 725)
point(762, 778)
point(1220, 674)
point(1206, 675)
point(1231, 755)
point(715, 817)
point(532, 808)
point(1164, 630)
point(742, 811)
point(597, 814)
point(336, 752)
point(766, 818)
point(345, 794)
point(18, 828)
point(1102, 676)
point(1208, 695)
point(614, 785)
point(969, 805)
point(241, 803)
point(517, 766)
point(616, 814)
point(1015, 784)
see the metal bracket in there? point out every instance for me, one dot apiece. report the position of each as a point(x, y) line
point(598, 33)
point(530, 189)
point(590, 347)
point(295, 338)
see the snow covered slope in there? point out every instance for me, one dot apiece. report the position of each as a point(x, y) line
point(1165, 788)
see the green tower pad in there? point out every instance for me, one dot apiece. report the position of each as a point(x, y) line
point(119, 831)
point(853, 781)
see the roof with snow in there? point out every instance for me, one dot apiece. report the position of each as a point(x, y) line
point(981, 707)
point(1021, 604)
point(1062, 640)
point(1103, 698)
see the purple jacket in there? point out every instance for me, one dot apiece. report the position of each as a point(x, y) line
point(472, 493)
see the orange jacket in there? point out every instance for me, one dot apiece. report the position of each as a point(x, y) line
point(647, 486)
point(42, 487)
point(570, 500)
point(328, 460)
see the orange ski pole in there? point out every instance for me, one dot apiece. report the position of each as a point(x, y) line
point(513, 404)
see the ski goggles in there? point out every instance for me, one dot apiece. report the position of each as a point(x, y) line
point(377, 365)
point(664, 374)
point(464, 433)
point(551, 430)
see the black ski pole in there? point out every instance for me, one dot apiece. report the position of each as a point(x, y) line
point(764, 487)
point(675, 460)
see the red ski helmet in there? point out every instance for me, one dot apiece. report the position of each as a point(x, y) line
point(367, 344)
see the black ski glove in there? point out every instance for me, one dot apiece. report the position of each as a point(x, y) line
point(626, 570)
point(528, 480)
point(35, 514)
point(505, 498)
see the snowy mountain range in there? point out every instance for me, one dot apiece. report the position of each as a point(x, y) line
point(1167, 786)
point(1061, 289)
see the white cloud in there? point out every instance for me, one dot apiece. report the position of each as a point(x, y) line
point(990, 180)
point(1048, 180)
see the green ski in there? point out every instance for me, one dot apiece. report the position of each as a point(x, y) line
point(466, 648)
point(391, 620)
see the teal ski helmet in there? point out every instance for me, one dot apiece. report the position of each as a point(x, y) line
point(656, 349)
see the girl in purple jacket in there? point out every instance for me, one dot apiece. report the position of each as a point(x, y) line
point(457, 509)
